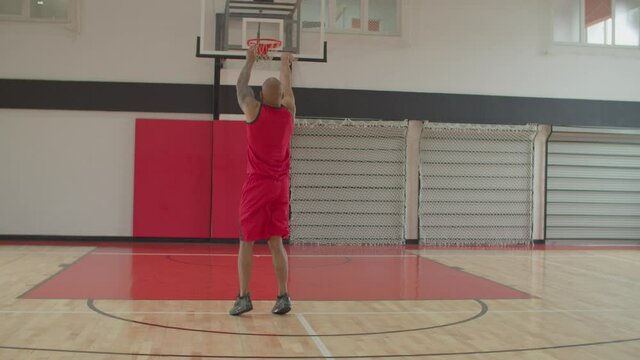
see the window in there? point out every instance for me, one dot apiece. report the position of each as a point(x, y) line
point(597, 22)
point(383, 17)
point(11, 7)
point(375, 17)
point(627, 22)
point(37, 10)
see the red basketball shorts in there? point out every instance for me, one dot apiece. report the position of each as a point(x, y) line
point(264, 208)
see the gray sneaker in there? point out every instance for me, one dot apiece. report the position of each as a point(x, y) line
point(283, 305)
point(241, 306)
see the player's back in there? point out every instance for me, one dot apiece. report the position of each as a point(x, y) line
point(269, 138)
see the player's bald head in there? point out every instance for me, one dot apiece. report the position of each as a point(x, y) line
point(272, 92)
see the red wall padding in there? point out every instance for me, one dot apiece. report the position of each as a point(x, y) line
point(172, 184)
point(229, 171)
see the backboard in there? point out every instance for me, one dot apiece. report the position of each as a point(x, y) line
point(227, 25)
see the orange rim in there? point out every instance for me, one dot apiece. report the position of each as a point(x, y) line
point(263, 45)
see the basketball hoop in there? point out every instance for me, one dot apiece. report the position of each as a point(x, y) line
point(264, 47)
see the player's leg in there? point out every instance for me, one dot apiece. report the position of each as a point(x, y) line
point(279, 228)
point(281, 266)
point(252, 220)
point(280, 263)
point(245, 264)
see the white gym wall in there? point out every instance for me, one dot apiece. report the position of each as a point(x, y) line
point(491, 47)
point(85, 159)
point(69, 172)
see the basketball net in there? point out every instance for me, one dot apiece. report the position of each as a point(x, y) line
point(265, 48)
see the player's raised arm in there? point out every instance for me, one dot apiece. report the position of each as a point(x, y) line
point(288, 99)
point(246, 99)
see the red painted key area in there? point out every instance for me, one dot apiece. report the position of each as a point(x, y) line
point(205, 272)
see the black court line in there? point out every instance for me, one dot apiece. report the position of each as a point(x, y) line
point(173, 258)
point(484, 309)
point(62, 268)
point(190, 356)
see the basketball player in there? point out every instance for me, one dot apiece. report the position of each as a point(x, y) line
point(264, 205)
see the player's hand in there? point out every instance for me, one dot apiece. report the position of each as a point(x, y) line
point(286, 58)
point(251, 54)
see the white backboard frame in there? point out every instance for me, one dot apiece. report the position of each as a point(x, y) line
point(246, 21)
point(318, 56)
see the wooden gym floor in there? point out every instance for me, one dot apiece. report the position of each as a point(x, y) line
point(147, 301)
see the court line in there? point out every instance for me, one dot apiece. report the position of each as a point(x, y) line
point(319, 344)
point(546, 260)
point(11, 261)
point(262, 255)
point(60, 270)
point(171, 258)
point(485, 352)
point(365, 313)
point(524, 256)
point(480, 276)
point(214, 255)
point(79, 253)
point(620, 259)
point(484, 309)
point(602, 275)
point(421, 254)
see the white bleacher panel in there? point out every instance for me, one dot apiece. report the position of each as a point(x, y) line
point(593, 185)
point(348, 182)
point(476, 184)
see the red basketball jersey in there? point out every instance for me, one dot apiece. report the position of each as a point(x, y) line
point(269, 138)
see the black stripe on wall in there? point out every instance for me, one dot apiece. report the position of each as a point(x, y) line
point(338, 103)
point(105, 96)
